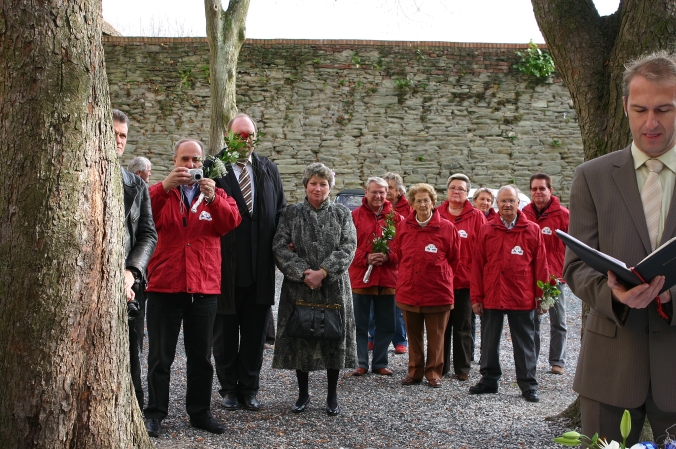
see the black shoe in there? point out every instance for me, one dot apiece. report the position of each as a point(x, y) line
point(482, 389)
point(332, 411)
point(531, 396)
point(230, 402)
point(250, 402)
point(153, 426)
point(209, 425)
point(300, 408)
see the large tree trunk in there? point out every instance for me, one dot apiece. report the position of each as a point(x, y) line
point(590, 52)
point(226, 34)
point(64, 363)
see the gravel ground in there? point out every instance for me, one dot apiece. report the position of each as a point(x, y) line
point(377, 412)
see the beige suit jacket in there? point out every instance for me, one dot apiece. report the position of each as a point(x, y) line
point(619, 361)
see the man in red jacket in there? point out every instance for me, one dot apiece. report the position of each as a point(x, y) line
point(550, 215)
point(378, 290)
point(184, 279)
point(509, 259)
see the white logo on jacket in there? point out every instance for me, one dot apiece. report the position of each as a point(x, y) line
point(431, 248)
point(546, 231)
point(462, 233)
point(205, 216)
point(517, 250)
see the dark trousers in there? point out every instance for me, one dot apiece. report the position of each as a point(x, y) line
point(522, 329)
point(383, 316)
point(605, 419)
point(399, 337)
point(166, 312)
point(459, 334)
point(140, 320)
point(134, 362)
point(238, 344)
point(270, 332)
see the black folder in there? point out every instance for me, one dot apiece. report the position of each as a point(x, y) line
point(662, 262)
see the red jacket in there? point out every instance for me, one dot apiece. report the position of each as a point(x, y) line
point(428, 258)
point(554, 217)
point(403, 207)
point(188, 254)
point(507, 265)
point(468, 224)
point(370, 225)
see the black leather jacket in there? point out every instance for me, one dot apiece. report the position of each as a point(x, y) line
point(140, 234)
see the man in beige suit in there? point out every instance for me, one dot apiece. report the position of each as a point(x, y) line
point(628, 354)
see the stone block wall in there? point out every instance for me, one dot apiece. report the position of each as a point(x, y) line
point(422, 109)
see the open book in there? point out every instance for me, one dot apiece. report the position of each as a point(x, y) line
point(662, 261)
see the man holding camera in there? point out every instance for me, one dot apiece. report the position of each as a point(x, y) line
point(184, 280)
point(140, 240)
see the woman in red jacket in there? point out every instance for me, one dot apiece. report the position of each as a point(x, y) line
point(483, 200)
point(427, 249)
point(467, 220)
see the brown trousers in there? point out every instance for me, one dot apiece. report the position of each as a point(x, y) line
point(415, 328)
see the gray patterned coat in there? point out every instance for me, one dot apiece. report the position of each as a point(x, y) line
point(326, 238)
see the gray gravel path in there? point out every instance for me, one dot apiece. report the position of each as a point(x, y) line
point(377, 412)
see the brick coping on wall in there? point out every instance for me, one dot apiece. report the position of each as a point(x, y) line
point(167, 40)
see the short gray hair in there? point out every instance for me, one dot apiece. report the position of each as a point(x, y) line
point(510, 186)
point(378, 180)
point(481, 190)
point(182, 141)
point(319, 170)
point(398, 181)
point(461, 177)
point(119, 116)
point(139, 163)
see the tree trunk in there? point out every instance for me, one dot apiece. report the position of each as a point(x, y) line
point(64, 362)
point(590, 52)
point(226, 34)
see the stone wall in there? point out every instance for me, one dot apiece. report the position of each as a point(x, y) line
point(425, 110)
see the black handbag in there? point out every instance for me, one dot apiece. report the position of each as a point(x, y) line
point(316, 322)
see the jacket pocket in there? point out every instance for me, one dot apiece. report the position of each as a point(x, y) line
point(600, 325)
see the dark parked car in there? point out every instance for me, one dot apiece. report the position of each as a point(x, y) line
point(351, 198)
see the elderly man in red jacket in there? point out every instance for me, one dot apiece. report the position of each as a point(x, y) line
point(509, 259)
point(550, 215)
point(184, 279)
point(378, 291)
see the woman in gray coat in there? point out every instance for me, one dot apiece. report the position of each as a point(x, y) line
point(313, 248)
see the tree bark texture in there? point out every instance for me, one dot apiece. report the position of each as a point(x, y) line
point(590, 52)
point(226, 35)
point(64, 363)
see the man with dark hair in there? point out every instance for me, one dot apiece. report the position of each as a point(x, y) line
point(509, 258)
point(139, 243)
point(184, 281)
point(248, 271)
point(623, 205)
point(546, 210)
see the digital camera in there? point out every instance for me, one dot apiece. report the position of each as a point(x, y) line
point(196, 173)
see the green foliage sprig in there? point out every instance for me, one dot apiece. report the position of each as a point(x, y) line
point(381, 244)
point(535, 62)
point(574, 438)
point(234, 143)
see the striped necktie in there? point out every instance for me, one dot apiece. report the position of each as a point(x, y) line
point(651, 196)
point(245, 186)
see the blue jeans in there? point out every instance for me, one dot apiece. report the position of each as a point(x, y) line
point(383, 316)
point(399, 328)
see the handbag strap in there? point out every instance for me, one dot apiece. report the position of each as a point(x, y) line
point(319, 306)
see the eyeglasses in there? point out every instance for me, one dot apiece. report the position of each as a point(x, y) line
point(423, 202)
point(456, 189)
point(506, 201)
point(538, 189)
